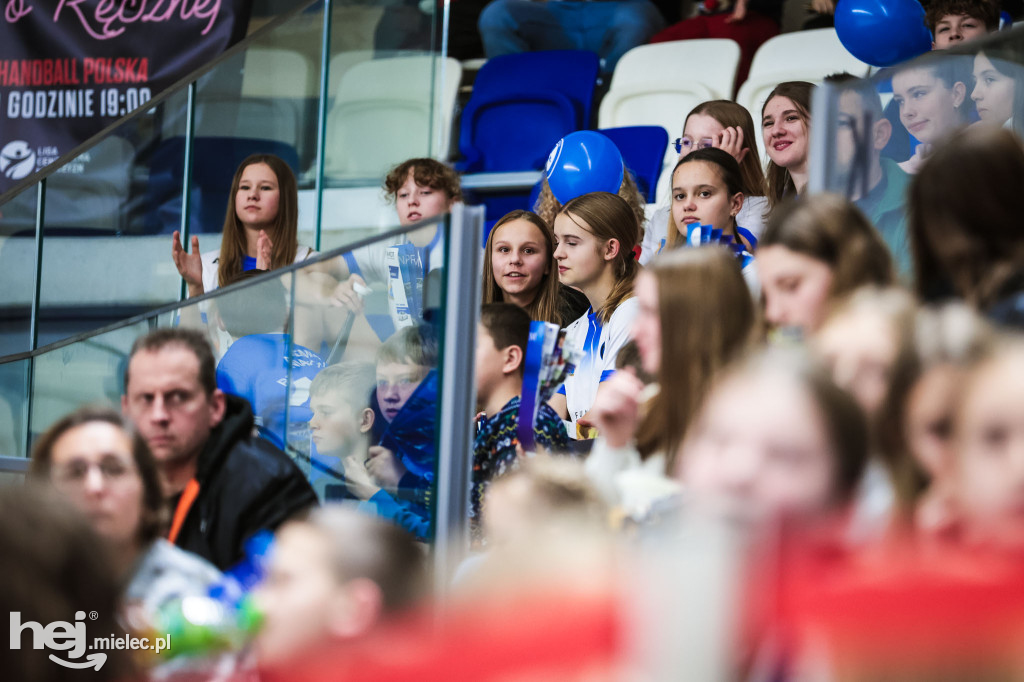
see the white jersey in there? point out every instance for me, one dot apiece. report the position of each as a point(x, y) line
point(751, 217)
point(369, 262)
point(599, 345)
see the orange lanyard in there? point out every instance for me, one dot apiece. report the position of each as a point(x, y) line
point(188, 496)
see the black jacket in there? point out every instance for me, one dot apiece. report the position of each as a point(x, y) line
point(245, 485)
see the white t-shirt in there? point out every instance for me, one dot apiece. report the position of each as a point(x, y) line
point(211, 261)
point(751, 217)
point(599, 344)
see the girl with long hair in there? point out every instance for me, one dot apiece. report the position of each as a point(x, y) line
point(594, 239)
point(707, 190)
point(998, 91)
point(260, 228)
point(695, 315)
point(519, 268)
point(785, 126)
point(915, 422)
point(727, 126)
point(788, 405)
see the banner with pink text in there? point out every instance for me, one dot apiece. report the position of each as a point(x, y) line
point(69, 68)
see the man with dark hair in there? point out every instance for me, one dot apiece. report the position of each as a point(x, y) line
point(222, 483)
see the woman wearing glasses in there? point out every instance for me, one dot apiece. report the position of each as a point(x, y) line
point(727, 126)
point(107, 472)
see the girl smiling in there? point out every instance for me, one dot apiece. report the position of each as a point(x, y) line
point(518, 257)
point(785, 125)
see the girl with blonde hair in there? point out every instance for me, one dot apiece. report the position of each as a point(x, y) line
point(595, 235)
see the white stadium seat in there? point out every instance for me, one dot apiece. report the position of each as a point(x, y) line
point(382, 115)
point(798, 56)
point(659, 84)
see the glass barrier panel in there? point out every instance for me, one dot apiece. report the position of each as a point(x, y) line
point(341, 370)
point(86, 372)
point(18, 265)
point(335, 363)
point(373, 422)
point(384, 107)
point(263, 100)
point(880, 131)
point(106, 243)
point(14, 392)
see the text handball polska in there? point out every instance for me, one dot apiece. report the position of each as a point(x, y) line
point(73, 102)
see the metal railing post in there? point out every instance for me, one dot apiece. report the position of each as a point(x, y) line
point(321, 126)
point(458, 391)
point(186, 188)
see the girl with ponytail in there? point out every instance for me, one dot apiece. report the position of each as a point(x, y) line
point(595, 238)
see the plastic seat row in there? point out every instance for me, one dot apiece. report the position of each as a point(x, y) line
point(659, 84)
point(381, 110)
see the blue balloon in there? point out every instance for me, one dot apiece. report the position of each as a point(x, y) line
point(882, 32)
point(581, 163)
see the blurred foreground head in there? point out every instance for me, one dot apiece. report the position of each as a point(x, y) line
point(989, 446)
point(775, 439)
point(915, 420)
point(545, 497)
point(54, 567)
point(964, 221)
point(334, 576)
point(545, 526)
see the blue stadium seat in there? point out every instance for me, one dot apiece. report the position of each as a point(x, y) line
point(643, 149)
point(214, 162)
point(521, 105)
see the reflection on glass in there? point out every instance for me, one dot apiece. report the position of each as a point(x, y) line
point(873, 151)
point(876, 185)
point(86, 372)
point(14, 408)
point(931, 97)
point(998, 91)
point(17, 263)
point(340, 372)
point(264, 359)
point(374, 407)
